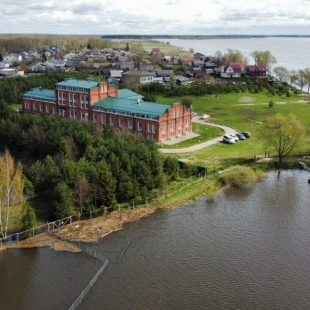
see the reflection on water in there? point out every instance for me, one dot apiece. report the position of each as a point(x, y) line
point(245, 250)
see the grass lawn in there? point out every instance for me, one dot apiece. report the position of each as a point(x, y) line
point(205, 133)
point(242, 111)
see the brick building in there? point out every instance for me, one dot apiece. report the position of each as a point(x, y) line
point(104, 104)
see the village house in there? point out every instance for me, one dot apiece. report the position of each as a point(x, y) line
point(13, 58)
point(104, 104)
point(231, 70)
point(256, 71)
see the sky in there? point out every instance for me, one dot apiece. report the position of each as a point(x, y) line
point(173, 17)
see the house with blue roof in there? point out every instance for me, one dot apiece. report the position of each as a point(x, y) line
point(105, 105)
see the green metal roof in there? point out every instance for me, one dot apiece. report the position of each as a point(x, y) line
point(131, 106)
point(88, 84)
point(128, 94)
point(41, 93)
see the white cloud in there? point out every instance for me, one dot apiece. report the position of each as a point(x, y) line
point(156, 17)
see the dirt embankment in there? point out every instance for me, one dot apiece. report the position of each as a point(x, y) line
point(87, 230)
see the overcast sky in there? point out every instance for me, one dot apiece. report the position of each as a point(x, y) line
point(197, 17)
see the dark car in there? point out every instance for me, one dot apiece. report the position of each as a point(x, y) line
point(240, 136)
point(246, 134)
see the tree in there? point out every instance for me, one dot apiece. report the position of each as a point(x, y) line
point(293, 75)
point(11, 189)
point(187, 102)
point(81, 194)
point(127, 47)
point(63, 200)
point(1, 58)
point(307, 77)
point(283, 133)
point(282, 73)
point(29, 218)
point(232, 56)
point(301, 79)
point(264, 58)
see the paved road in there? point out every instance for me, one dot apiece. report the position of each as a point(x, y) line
point(200, 146)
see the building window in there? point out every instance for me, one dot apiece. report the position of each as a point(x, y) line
point(47, 109)
point(153, 129)
point(180, 124)
point(103, 119)
point(130, 124)
point(120, 122)
point(86, 116)
point(162, 128)
point(40, 106)
point(95, 118)
point(54, 110)
point(34, 107)
point(71, 114)
point(139, 126)
point(75, 115)
point(111, 121)
point(148, 128)
point(171, 126)
point(186, 121)
point(82, 115)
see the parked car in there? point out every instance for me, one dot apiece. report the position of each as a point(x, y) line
point(228, 139)
point(240, 136)
point(246, 134)
point(234, 137)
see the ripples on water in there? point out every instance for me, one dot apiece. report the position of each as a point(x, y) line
point(246, 250)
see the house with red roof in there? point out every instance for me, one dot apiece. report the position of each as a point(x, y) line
point(256, 71)
point(231, 70)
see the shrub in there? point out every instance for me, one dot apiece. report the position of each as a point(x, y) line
point(239, 177)
point(271, 104)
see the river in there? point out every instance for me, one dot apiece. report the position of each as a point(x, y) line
point(242, 250)
point(291, 53)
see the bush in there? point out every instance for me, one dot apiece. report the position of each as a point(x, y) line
point(239, 177)
point(271, 104)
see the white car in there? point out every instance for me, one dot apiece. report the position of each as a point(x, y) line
point(228, 139)
point(234, 137)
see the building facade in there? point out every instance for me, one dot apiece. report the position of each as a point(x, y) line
point(104, 104)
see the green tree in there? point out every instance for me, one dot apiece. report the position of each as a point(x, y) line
point(108, 184)
point(29, 218)
point(283, 133)
point(264, 58)
point(127, 47)
point(282, 73)
point(293, 75)
point(232, 56)
point(187, 102)
point(301, 78)
point(11, 189)
point(63, 203)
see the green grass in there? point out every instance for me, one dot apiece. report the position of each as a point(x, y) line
point(241, 111)
point(205, 133)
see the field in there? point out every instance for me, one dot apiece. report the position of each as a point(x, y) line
point(243, 111)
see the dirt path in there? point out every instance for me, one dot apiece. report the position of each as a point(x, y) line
point(86, 231)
